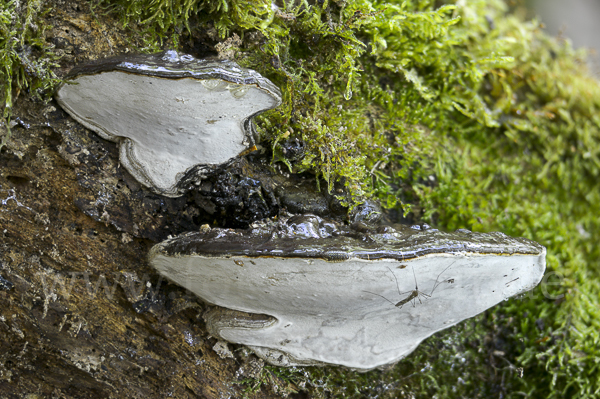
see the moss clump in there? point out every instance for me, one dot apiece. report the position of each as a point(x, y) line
point(319, 56)
point(462, 110)
point(24, 55)
point(470, 113)
point(535, 174)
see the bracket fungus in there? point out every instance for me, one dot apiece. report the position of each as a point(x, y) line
point(171, 114)
point(305, 290)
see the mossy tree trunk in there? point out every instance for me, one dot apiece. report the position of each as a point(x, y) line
point(83, 315)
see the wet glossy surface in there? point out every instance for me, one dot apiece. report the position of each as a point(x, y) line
point(170, 64)
point(310, 236)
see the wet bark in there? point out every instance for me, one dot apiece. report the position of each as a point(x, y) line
point(82, 313)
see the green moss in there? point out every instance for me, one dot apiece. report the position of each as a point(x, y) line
point(464, 114)
point(474, 117)
point(24, 55)
point(534, 172)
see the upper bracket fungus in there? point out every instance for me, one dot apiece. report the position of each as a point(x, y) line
point(306, 290)
point(168, 112)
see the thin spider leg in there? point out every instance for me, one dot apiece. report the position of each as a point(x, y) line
point(419, 293)
point(381, 296)
point(416, 285)
point(412, 298)
point(397, 285)
point(437, 284)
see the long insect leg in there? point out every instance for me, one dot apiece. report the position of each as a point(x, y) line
point(437, 283)
point(380, 296)
point(403, 301)
point(397, 285)
point(418, 293)
point(413, 296)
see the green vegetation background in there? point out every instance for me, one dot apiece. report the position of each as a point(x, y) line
point(459, 113)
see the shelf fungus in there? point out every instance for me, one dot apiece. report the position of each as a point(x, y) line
point(305, 290)
point(171, 114)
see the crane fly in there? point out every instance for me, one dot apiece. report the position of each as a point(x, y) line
point(416, 294)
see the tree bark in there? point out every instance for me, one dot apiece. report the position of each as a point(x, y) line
point(83, 314)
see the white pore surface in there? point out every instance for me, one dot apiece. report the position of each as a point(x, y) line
point(324, 313)
point(165, 126)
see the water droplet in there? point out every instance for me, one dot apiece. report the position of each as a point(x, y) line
point(212, 84)
point(348, 93)
point(239, 92)
point(171, 56)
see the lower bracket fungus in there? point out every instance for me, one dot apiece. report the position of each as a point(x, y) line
point(170, 113)
point(305, 290)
